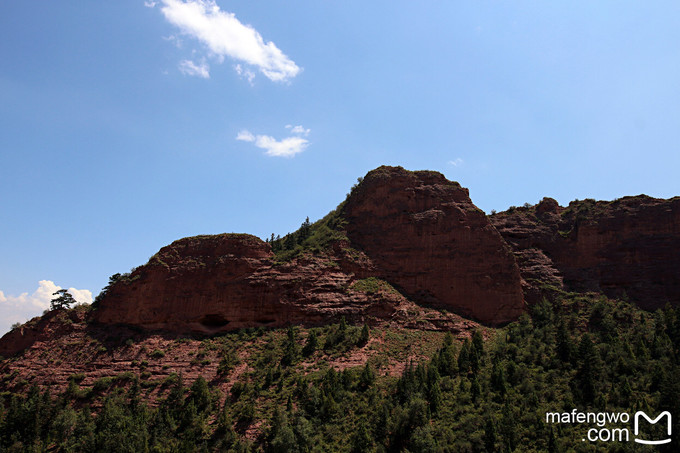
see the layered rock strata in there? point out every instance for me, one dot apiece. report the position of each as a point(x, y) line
point(416, 230)
point(402, 246)
point(224, 282)
point(427, 238)
point(629, 247)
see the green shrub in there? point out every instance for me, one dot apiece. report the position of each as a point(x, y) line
point(373, 285)
point(102, 384)
point(77, 377)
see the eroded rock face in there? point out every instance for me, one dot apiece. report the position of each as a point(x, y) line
point(419, 233)
point(416, 230)
point(38, 330)
point(628, 246)
point(224, 282)
point(427, 238)
point(199, 282)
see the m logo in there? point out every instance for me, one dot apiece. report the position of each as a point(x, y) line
point(638, 414)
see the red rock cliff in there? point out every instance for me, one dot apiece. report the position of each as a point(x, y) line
point(200, 282)
point(427, 238)
point(626, 246)
point(224, 282)
point(418, 230)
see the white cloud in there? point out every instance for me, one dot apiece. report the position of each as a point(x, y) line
point(287, 147)
point(150, 4)
point(245, 136)
point(299, 130)
point(188, 67)
point(457, 162)
point(83, 296)
point(175, 40)
point(245, 73)
point(24, 307)
point(226, 36)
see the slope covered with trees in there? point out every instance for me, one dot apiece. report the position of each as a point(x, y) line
point(580, 351)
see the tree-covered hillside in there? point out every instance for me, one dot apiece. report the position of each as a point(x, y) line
point(488, 393)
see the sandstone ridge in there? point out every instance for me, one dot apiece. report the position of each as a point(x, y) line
point(405, 248)
point(426, 237)
point(623, 248)
point(415, 235)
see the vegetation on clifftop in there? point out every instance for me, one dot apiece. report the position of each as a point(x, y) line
point(373, 285)
point(319, 236)
point(314, 237)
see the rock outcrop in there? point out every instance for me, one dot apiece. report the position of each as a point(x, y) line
point(416, 230)
point(629, 247)
point(401, 247)
point(224, 282)
point(427, 238)
point(53, 324)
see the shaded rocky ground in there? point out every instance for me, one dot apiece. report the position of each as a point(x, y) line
point(100, 358)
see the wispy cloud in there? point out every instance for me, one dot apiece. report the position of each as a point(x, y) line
point(245, 136)
point(175, 40)
point(299, 130)
point(287, 147)
point(457, 162)
point(225, 36)
point(245, 73)
point(24, 306)
point(188, 67)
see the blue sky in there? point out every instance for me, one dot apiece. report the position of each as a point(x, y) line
point(126, 125)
